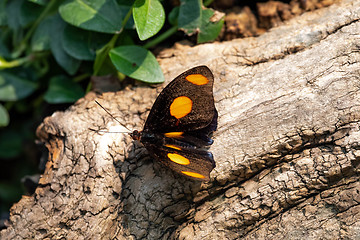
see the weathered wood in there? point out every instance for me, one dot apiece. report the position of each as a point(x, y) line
point(287, 148)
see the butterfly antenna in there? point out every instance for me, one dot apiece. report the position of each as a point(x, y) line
point(111, 115)
point(103, 131)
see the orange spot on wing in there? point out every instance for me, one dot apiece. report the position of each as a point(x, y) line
point(173, 134)
point(180, 107)
point(197, 79)
point(172, 146)
point(176, 158)
point(193, 174)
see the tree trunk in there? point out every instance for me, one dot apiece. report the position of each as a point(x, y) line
point(287, 148)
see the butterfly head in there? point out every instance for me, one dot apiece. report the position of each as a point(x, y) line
point(136, 135)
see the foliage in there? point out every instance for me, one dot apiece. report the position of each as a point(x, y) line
point(50, 49)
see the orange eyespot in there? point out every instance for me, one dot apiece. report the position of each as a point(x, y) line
point(193, 174)
point(173, 134)
point(172, 146)
point(180, 107)
point(197, 79)
point(176, 158)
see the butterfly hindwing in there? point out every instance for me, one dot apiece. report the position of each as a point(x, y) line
point(193, 163)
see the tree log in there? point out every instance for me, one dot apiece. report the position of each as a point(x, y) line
point(287, 148)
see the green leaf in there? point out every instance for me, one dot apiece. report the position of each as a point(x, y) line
point(29, 12)
point(189, 19)
point(14, 88)
point(173, 16)
point(13, 13)
point(63, 90)
point(3, 17)
point(96, 15)
point(4, 116)
point(40, 40)
point(67, 62)
point(138, 63)
point(102, 64)
point(149, 17)
point(82, 44)
point(40, 2)
point(209, 30)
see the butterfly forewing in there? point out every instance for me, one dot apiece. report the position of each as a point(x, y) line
point(191, 99)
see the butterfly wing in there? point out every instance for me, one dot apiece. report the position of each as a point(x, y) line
point(180, 122)
point(192, 163)
point(186, 104)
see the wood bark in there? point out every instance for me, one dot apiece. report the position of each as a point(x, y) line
point(287, 148)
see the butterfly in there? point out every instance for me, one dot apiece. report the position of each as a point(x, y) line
point(178, 128)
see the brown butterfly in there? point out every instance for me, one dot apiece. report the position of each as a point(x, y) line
point(178, 128)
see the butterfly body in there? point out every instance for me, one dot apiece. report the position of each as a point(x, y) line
point(178, 128)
